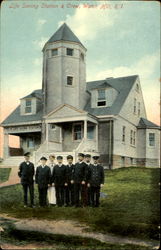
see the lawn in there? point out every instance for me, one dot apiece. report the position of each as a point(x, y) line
point(4, 174)
point(131, 207)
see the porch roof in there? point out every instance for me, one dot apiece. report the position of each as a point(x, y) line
point(67, 113)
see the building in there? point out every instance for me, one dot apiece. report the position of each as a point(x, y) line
point(69, 115)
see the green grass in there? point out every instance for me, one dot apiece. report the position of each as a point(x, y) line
point(131, 207)
point(4, 174)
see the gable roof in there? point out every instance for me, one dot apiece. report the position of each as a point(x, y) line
point(36, 93)
point(16, 117)
point(123, 86)
point(144, 123)
point(64, 33)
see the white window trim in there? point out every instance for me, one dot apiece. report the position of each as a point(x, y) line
point(154, 140)
point(71, 86)
point(54, 55)
point(103, 100)
point(28, 113)
point(78, 123)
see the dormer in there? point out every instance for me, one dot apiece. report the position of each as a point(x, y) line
point(103, 96)
point(31, 104)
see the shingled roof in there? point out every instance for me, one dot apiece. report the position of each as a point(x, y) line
point(15, 117)
point(64, 33)
point(123, 86)
point(144, 123)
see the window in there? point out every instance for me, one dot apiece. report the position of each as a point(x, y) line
point(134, 134)
point(82, 56)
point(138, 108)
point(54, 52)
point(151, 139)
point(131, 161)
point(137, 87)
point(122, 161)
point(69, 80)
point(90, 132)
point(123, 133)
point(101, 97)
point(28, 106)
point(30, 142)
point(134, 105)
point(77, 132)
point(131, 137)
point(69, 52)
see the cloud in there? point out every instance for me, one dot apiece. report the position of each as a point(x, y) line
point(37, 61)
point(145, 67)
point(40, 23)
point(41, 42)
point(86, 23)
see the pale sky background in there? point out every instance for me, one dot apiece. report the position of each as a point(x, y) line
point(120, 41)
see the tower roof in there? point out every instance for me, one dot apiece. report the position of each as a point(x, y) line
point(64, 33)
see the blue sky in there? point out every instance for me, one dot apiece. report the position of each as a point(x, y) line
point(120, 41)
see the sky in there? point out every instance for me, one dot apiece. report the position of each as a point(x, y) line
point(122, 38)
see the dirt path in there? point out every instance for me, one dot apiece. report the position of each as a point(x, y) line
point(69, 227)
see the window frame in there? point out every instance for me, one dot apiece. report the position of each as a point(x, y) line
point(150, 133)
point(56, 49)
point(74, 132)
point(28, 106)
point(123, 134)
point(91, 125)
point(70, 85)
point(69, 49)
point(99, 100)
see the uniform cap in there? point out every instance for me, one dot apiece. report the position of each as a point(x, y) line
point(69, 157)
point(96, 157)
point(59, 157)
point(43, 158)
point(80, 154)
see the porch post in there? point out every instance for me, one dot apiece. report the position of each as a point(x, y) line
point(47, 135)
point(61, 134)
point(96, 136)
point(85, 129)
point(6, 145)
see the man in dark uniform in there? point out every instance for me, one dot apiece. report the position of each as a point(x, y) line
point(59, 180)
point(43, 179)
point(96, 181)
point(88, 190)
point(26, 173)
point(79, 178)
point(69, 190)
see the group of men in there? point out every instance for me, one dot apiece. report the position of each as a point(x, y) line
point(64, 185)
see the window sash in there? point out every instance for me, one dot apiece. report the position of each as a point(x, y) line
point(69, 80)
point(151, 139)
point(54, 52)
point(90, 132)
point(69, 52)
point(28, 109)
point(101, 94)
point(77, 132)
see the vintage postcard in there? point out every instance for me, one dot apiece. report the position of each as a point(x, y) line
point(80, 125)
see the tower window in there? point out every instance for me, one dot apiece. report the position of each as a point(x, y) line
point(70, 80)
point(69, 52)
point(101, 98)
point(137, 87)
point(28, 106)
point(82, 56)
point(54, 52)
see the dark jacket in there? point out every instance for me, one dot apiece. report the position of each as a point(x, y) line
point(69, 173)
point(59, 175)
point(96, 175)
point(26, 172)
point(80, 172)
point(43, 176)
